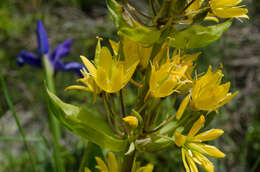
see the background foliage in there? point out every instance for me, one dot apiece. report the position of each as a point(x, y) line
point(82, 20)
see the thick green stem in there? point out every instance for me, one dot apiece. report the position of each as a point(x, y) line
point(53, 123)
point(128, 162)
point(11, 106)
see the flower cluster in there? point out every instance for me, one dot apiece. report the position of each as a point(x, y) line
point(154, 56)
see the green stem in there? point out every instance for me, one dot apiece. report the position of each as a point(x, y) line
point(11, 106)
point(128, 162)
point(53, 123)
point(109, 114)
point(18, 139)
point(122, 103)
point(83, 162)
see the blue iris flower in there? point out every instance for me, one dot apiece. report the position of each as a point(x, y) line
point(55, 57)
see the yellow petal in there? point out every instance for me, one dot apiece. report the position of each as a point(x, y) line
point(179, 139)
point(77, 87)
point(145, 54)
point(147, 168)
point(211, 18)
point(105, 59)
point(206, 149)
point(213, 151)
point(196, 126)
point(225, 3)
point(208, 135)
point(184, 160)
point(102, 79)
point(193, 167)
point(204, 162)
point(227, 98)
point(101, 165)
point(115, 47)
point(117, 78)
point(129, 71)
point(87, 170)
point(195, 5)
point(182, 107)
point(165, 89)
point(112, 162)
point(230, 12)
point(91, 68)
point(190, 57)
point(98, 50)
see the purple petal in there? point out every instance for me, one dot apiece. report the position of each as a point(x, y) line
point(68, 66)
point(28, 58)
point(43, 43)
point(61, 50)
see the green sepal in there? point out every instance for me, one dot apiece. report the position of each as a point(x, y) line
point(129, 27)
point(86, 123)
point(198, 36)
point(156, 142)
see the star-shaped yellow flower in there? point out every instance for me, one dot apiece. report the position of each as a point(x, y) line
point(194, 151)
point(207, 94)
point(171, 76)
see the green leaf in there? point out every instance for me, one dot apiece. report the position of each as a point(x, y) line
point(129, 27)
point(198, 36)
point(86, 124)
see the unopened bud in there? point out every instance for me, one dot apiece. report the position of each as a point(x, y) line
point(179, 139)
point(131, 121)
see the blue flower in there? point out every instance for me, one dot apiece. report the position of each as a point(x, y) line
point(55, 57)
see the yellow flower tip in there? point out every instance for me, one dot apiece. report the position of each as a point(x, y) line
point(182, 107)
point(99, 38)
point(179, 139)
point(208, 135)
point(82, 58)
point(131, 121)
point(87, 170)
point(196, 126)
point(201, 119)
point(148, 168)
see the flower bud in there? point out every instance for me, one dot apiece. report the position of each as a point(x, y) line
point(131, 121)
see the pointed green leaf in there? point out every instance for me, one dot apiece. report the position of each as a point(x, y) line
point(129, 27)
point(198, 36)
point(86, 124)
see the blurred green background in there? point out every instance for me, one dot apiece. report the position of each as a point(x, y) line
point(82, 20)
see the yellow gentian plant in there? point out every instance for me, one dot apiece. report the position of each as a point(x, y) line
point(152, 64)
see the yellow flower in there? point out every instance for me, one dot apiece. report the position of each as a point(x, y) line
point(228, 8)
point(172, 76)
point(111, 74)
point(88, 81)
point(111, 165)
point(194, 151)
point(208, 93)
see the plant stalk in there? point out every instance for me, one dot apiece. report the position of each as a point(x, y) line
point(53, 122)
point(128, 162)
